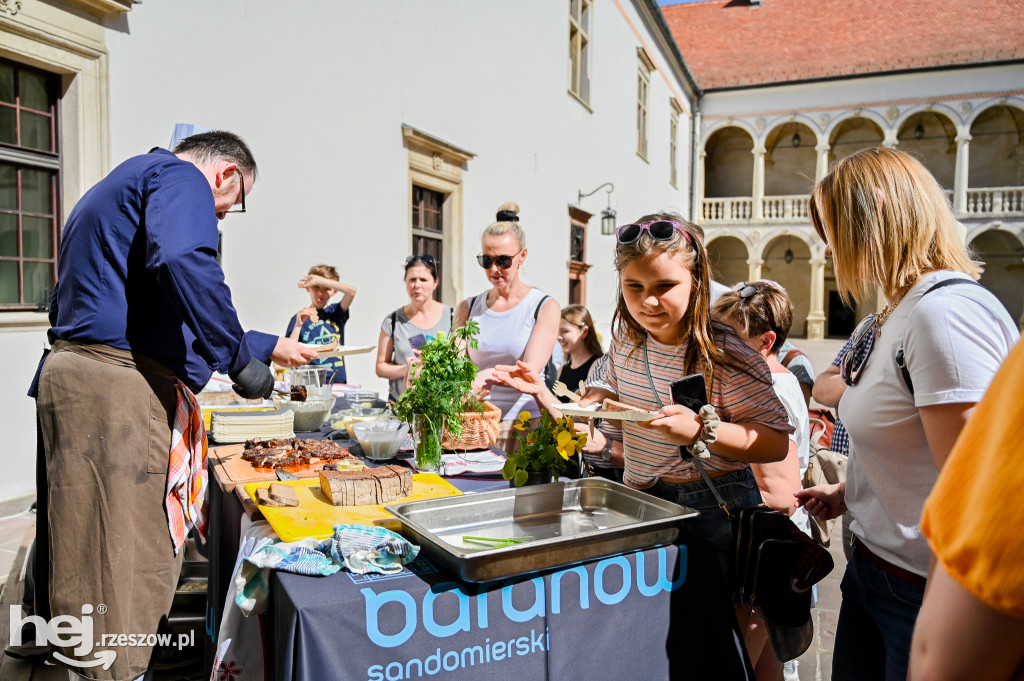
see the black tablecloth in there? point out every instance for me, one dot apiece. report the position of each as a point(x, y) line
point(656, 614)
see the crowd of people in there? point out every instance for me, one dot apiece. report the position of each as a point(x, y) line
point(905, 387)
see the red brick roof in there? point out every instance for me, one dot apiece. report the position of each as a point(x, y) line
point(728, 43)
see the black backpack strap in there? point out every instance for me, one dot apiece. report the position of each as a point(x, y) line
point(394, 322)
point(451, 317)
point(540, 305)
point(901, 360)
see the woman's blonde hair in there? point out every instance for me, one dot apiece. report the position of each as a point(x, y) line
point(579, 316)
point(888, 221)
point(325, 271)
point(766, 307)
point(507, 220)
point(701, 352)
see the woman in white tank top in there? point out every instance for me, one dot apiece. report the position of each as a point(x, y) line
point(517, 322)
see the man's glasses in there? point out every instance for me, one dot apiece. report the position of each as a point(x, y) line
point(851, 364)
point(241, 179)
point(502, 261)
point(660, 230)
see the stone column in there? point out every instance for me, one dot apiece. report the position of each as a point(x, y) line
point(757, 210)
point(754, 268)
point(700, 184)
point(960, 179)
point(816, 314)
point(821, 169)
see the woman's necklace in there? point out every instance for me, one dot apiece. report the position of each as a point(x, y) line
point(889, 307)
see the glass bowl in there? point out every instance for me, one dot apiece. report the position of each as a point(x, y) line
point(347, 417)
point(361, 399)
point(380, 440)
point(309, 415)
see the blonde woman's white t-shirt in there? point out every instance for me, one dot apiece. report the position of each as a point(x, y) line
point(954, 341)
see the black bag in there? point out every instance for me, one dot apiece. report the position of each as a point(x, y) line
point(775, 567)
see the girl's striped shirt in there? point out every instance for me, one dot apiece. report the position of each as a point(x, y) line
point(739, 396)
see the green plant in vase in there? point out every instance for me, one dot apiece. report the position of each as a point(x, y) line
point(441, 391)
point(545, 448)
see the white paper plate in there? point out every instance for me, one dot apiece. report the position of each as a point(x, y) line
point(347, 350)
point(594, 411)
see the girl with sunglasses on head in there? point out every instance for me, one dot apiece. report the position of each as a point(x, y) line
point(410, 326)
point(517, 322)
point(889, 225)
point(663, 331)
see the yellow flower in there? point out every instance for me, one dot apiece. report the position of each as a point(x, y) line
point(566, 445)
point(524, 420)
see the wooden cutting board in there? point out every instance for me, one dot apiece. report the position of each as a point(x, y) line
point(315, 516)
point(231, 470)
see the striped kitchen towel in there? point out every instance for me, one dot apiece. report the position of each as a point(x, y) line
point(185, 500)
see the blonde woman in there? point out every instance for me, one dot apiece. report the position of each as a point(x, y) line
point(889, 225)
point(517, 322)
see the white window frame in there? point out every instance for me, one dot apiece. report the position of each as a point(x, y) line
point(580, 18)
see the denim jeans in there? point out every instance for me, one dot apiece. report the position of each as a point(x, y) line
point(737, 489)
point(876, 623)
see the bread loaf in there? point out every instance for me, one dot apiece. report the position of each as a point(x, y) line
point(612, 405)
point(283, 494)
point(263, 498)
point(375, 486)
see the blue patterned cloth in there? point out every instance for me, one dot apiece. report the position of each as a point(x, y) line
point(357, 548)
point(362, 549)
point(840, 437)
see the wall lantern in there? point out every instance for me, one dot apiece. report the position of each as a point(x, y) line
point(608, 214)
point(796, 139)
point(919, 132)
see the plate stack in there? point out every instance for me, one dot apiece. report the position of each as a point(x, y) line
point(227, 427)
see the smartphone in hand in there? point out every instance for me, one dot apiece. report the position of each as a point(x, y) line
point(690, 391)
point(417, 341)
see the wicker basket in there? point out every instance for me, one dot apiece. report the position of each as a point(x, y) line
point(479, 430)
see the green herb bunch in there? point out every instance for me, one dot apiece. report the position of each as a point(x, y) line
point(441, 389)
point(545, 448)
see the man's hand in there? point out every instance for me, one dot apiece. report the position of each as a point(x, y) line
point(254, 380)
point(290, 353)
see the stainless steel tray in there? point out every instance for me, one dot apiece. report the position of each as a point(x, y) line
point(568, 522)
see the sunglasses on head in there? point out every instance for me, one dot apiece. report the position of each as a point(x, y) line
point(659, 230)
point(429, 259)
point(746, 290)
point(851, 364)
point(502, 261)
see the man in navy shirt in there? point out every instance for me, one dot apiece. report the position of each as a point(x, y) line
point(140, 318)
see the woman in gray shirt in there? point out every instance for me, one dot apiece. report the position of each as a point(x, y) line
point(410, 326)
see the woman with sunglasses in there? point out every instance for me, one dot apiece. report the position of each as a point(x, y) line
point(410, 326)
point(517, 322)
point(889, 225)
